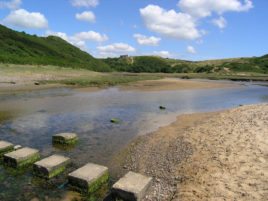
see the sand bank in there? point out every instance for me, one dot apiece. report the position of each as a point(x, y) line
point(177, 84)
point(210, 156)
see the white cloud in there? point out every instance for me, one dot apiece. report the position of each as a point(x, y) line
point(170, 23)
point(79, 39)
point(90, 36)
point(220, 22)
point(11, 4)
point(191, 50)
point(145, 40)
point(87, 16)
point(205, 8)
point(115, 49)
point(23, 18)
point(85, 3)
point(164, 54)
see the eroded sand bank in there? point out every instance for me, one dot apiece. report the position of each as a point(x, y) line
point(209, 156)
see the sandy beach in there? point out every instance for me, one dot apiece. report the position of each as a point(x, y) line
point(208, 156)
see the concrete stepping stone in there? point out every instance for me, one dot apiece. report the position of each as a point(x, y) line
point(132, 187)
point(65, 138)
point(22, 157)
point(89, 178)
point(5, 147)
point(51, 166)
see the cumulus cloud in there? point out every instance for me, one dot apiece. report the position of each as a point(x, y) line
point(90, 36)
point(191, 50)
point(23, 18)
point(164, 54)
point(87, 16)
point(169, 22)
point(205, 8)
point(79, 39)
point(147, 40)
point(220, 22)
point(115, 49)
point(11, 4)
point(85, 3)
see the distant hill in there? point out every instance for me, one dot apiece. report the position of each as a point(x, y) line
point(154, 64)
point(21, 48)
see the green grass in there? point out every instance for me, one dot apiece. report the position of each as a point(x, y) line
point(104, 80)
point(21, 48)
point(153, 64)
point(214, 76)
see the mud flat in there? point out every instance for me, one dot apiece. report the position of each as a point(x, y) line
point(207, 156)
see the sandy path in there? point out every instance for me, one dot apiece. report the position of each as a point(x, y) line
point(211, 156)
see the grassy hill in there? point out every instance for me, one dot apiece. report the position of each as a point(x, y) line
point(154, 64)
point(21, 48)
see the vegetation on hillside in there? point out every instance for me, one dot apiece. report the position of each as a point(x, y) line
point(21, 48)
point(153, 64)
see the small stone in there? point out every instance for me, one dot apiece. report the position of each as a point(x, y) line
point(5, 147)
point(17, 147)
point(22, 157)
point(37, 83)
point(89, 178)
point(65, 138)
point(162, 107)
point(51, 166)
point(115, 121)
point(132, 187)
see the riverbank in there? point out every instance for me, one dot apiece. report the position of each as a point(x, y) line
point(167, 84)
point(208, 156)
point(15, 78)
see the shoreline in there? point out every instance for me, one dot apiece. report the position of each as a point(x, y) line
point(204, 156)
point(164, 84)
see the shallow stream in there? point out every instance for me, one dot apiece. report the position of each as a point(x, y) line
point(31, 118)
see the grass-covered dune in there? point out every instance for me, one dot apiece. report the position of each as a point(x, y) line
point(21, 48)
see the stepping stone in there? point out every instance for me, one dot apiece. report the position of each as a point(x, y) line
point(51, 166)
point(65, 138)
point(132, 187)
point(22, 157)
point(89, 178)
point(5, 147)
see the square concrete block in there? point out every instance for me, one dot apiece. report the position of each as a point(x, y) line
point(22, 157)
point(132, 187)
point(5, 147)
point(51, 166)
point(89, 178)
point(65, 138)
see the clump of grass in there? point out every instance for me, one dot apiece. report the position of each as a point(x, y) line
point(105, 80)
point(4, 115)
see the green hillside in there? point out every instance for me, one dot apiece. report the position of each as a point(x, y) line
point(154, 64)
point(21, 48)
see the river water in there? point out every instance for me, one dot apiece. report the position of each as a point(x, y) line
point(31, 118)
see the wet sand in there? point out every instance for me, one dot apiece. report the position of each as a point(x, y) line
point(176, 84)
point(208, 156)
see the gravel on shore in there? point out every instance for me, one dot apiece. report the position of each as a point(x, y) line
point(206, 156)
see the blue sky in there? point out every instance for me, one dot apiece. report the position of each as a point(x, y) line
point(183, 29)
